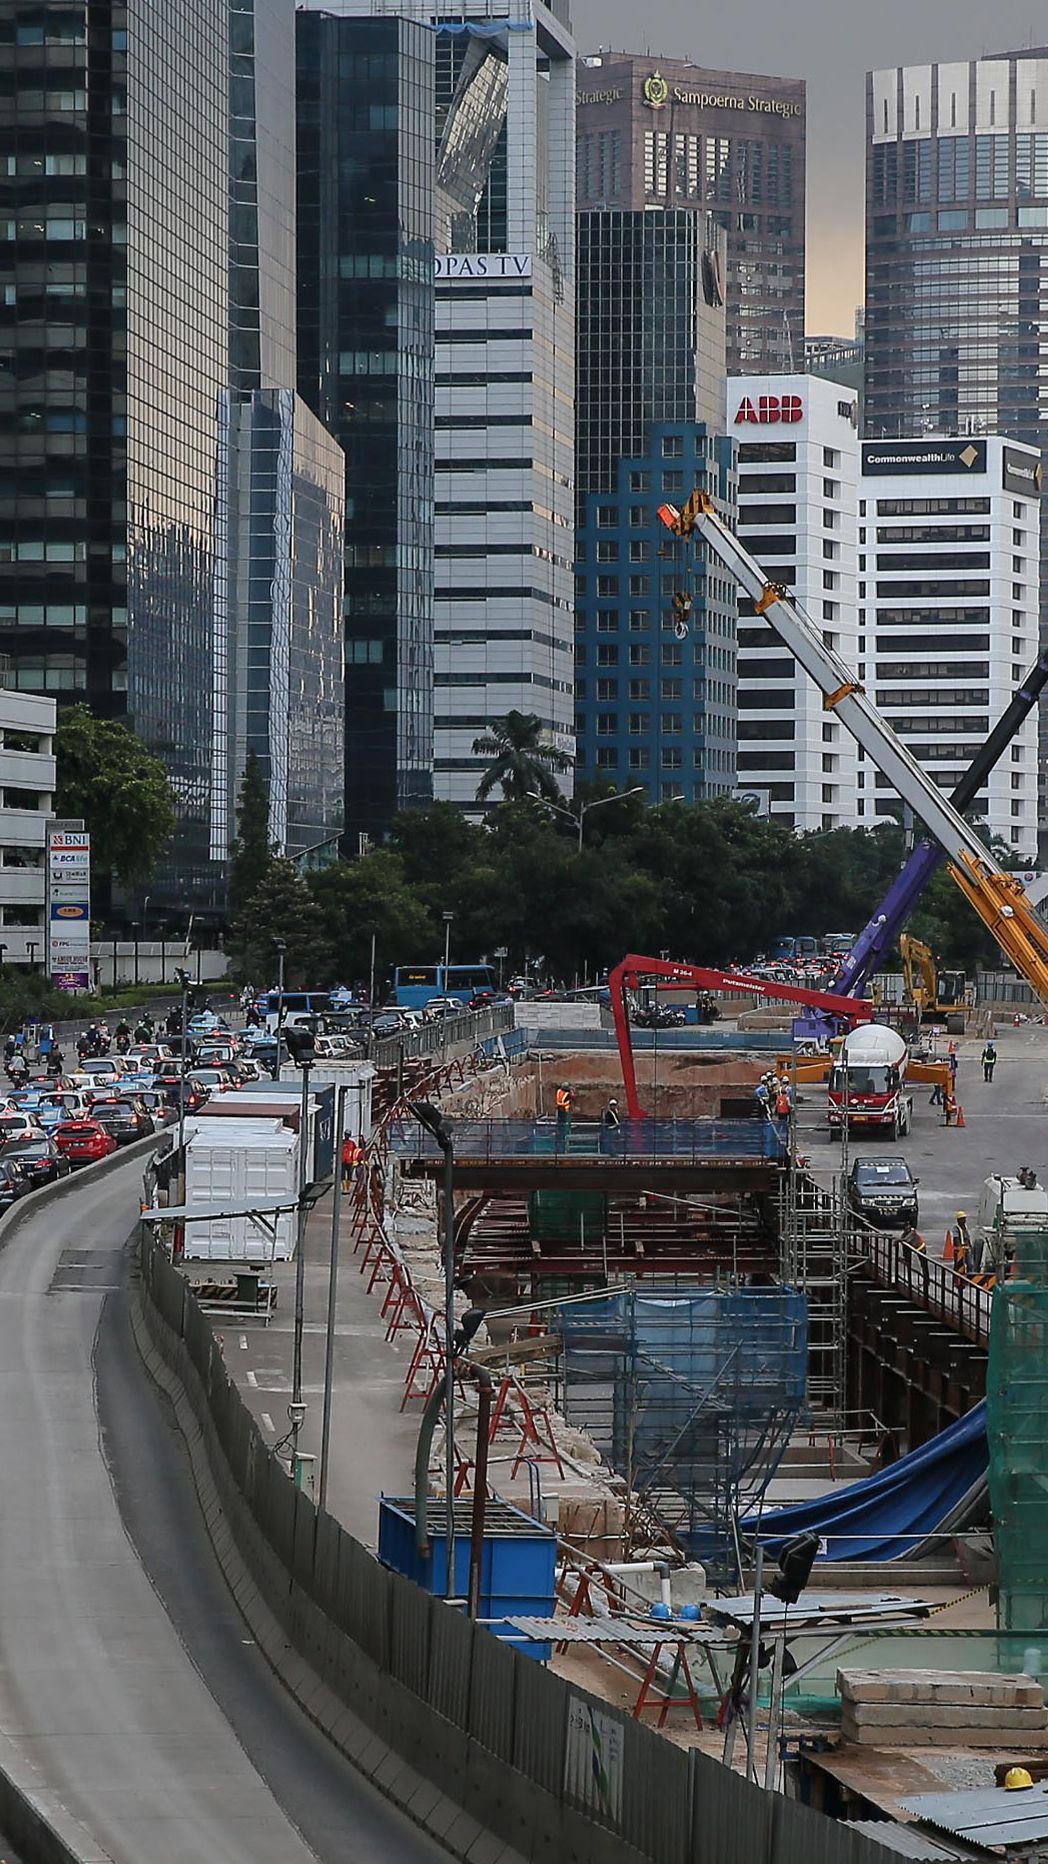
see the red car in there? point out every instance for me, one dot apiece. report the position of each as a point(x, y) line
point(83, 1142)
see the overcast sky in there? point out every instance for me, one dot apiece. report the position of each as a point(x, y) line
point(832, 46)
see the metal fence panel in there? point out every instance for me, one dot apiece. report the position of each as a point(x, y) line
point(731, 1818)
point(363, 1587)
point(305, 1529)
point(801, 1836)
point(654, 1801)
point(278, 1519)
point(491, 1695)
point(541, 1717)
point(325, 1564)
point(411, 1611)
point(451, 1641)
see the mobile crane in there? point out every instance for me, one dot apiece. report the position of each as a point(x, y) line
point(997, 897)
point(884, 927)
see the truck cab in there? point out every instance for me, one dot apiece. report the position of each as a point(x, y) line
point(867, 1085)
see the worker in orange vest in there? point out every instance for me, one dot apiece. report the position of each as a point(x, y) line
point(352, 1153)
point(564, 1106)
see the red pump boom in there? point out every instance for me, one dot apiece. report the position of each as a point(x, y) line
point(629, 973)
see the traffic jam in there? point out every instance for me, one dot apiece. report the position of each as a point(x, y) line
point(124, 1084)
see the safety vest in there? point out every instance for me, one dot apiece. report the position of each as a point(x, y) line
point(563, 1100)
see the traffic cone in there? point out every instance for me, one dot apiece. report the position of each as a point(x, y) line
point(961, 1121)
point(947, 1248)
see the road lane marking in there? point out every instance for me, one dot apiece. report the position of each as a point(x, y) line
point(268, 1423)
point(251, 1377)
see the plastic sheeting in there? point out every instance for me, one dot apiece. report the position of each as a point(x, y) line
point(890, 1515)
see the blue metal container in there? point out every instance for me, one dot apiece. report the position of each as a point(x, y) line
point(518, 1566)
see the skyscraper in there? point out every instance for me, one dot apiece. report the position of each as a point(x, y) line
point(667, 133)
point(366, 367)
point(957, 255)
point(655, 683)
point(505, 377)
point(146, 274)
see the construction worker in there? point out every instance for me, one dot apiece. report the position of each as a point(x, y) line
point(989, 1060)
point(911, 1238)
point(962, 1248)
point(609, 1119)
point(352, 1153)
point(564, 1105)
point(949, 1106)
point(762, 1094)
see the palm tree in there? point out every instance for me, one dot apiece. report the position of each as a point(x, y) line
point(522, 761)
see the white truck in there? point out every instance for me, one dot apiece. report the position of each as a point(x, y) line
point(867, 1083)
point(1007, 1208)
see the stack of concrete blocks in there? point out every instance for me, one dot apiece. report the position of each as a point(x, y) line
point(942, 1708)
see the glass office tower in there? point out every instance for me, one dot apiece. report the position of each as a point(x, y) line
point(366, 366)
point(957, 257)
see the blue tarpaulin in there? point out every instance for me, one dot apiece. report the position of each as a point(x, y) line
point(888, 1516)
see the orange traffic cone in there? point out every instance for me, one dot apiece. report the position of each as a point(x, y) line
point(947, 1248)
point(961, 1121)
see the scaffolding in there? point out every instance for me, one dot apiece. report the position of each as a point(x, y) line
point(691, 1394)
point(1017, 1432)
point(815, 1229)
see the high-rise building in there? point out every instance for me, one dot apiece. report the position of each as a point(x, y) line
point(27, 784)
point(666, 133)
point(286, 479)
point(655, 681)
point(505, 378)
point(366, 103)
point(798, 470)
point(655, 627)
point(949, 546)
point(146, 274)
point(957, 255)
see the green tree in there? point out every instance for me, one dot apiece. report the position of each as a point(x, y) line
point(522, 761)
point(371, 898)
point(252, 853)
point(282, 906)
point(106, 776)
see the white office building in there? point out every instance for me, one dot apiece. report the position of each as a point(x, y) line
point(27, 783)
point(505, 381)
point(798, 473)
point(949, 540)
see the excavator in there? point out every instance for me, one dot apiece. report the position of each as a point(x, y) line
point(997, 897)
point(932, 993)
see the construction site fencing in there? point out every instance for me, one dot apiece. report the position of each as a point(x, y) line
point(642, 1140)
point(436, 1039)
point(932, 1284)
point(1017, 1433)
point(547, 1768)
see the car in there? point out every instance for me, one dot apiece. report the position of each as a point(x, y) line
point(40, 1160)
point(216, 1080)
point(436, 1007)
point(17, 1123)
point(105, 1070)
point(13, 1183)
point(159, 1108)
point(83, 1142)
point(884, 1191)
point(125, 1118)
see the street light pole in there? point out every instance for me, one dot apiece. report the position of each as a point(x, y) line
point(579, 820)
point(432, 1119)
point(182, 980)
point(329, 1342)
point(134, 932)
point(301, 1046)
point(280, 947)
point(447, 918)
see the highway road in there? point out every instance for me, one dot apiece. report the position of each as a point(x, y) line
point(128, 1685)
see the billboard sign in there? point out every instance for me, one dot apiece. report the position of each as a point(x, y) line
point(69, 909)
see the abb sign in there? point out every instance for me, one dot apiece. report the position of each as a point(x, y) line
point(768, 409)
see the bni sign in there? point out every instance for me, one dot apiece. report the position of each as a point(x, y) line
point(69, 909)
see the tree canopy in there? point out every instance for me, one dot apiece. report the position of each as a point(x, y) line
point(252, 851)
point(106, 776)
point(711, 882)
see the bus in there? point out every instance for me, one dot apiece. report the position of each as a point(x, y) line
point(415, 984)
point(295, 1003)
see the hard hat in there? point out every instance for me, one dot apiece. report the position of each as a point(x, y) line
point(613, 1102)
point(962, 1216)
point(1017, 1777)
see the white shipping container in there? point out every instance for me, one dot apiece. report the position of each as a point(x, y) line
point(230, 1165)
point(357, 1077)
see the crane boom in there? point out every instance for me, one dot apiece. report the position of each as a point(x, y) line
point(997, 897)
point(885, 924)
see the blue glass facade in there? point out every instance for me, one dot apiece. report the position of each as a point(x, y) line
point(655, 683)
point(366, 367)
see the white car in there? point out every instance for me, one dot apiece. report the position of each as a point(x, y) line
point(99, 1071)
point(444, 1006)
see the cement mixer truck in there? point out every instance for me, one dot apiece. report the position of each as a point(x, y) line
point(867, 1085)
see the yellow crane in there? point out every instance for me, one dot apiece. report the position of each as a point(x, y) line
point(998, 897)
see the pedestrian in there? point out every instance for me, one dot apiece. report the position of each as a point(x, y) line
point(953, 1065)
point(564, 1105)
point(962, 1247)
point(911, 1238)
point(609, 1119)
point(935, 1098)
point(352, 1153)
point(989, 1061)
